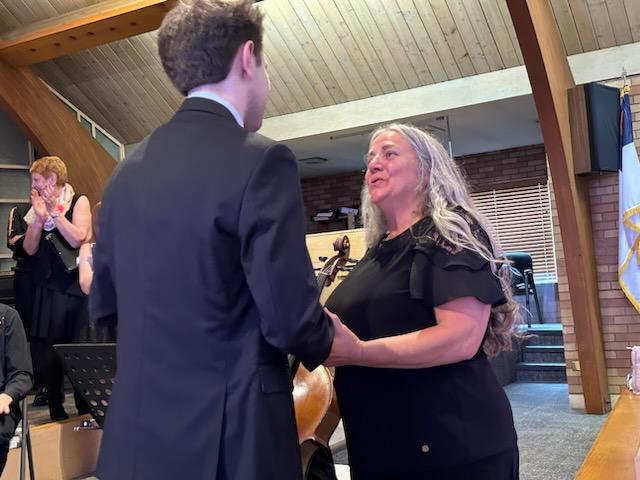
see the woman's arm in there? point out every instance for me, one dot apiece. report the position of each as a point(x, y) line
point(85, 268)
point(34, 230)
point(12, 241)
point(457, 336)
point(32, 237)
point(78, 230)
point(12, 235)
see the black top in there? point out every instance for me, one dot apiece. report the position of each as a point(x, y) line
point(49, 269)
point(16, 374)
point(19, 227)
point(408, 420)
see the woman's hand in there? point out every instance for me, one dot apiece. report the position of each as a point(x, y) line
point(5, 403)
point(39, 205)
point(50, 200)
point(85, 267)
point(347, 348)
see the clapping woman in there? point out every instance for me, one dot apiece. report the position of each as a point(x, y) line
point(59, 221)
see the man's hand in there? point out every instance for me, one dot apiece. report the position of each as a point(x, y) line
point(347, 348)
point(5, 401)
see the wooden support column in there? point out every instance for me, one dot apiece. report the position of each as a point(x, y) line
point(49, 125)
point(550, 78)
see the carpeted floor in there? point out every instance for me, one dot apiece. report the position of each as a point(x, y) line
point(553, 438)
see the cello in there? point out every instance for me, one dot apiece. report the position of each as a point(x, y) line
point(316, 407)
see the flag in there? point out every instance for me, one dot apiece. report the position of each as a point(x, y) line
point(629, 209)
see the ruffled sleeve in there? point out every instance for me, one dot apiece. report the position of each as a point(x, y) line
point(438, 276)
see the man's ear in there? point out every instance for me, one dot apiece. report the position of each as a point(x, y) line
point(247, 57)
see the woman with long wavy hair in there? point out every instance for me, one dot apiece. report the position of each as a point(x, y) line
point(429, 301)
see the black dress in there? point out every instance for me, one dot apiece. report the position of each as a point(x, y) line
point(60, 315)
point(23, 280)
point(60, 307)
point(446, 422)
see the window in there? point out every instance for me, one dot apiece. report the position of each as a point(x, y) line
point(15, 181)
point(86, 124)
point(521, 220)
point(109, 145)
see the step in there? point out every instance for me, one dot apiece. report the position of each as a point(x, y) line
point(537, 372)
point(546, 327)
point(543, 337)
point(559, 366)
point(543, 354)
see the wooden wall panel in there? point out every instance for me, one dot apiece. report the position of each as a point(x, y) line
point(53, 130)
point(579, 130)
point(321, 245)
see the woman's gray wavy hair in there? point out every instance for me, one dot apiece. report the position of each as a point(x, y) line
point(441, 190)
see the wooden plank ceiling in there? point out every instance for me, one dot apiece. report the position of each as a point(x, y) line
point(322, 52)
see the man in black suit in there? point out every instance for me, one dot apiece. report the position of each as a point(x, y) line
point(201, 257)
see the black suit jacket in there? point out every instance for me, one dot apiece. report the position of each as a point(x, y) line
point(202, 256)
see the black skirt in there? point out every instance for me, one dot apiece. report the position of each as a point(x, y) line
point(58, 316)
point(24, 289)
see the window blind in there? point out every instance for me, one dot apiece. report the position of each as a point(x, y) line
point(521, 220)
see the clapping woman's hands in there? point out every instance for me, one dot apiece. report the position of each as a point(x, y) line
point(39, 205)
point(50, 200)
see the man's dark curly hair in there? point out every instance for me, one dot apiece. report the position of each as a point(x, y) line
point(199, 38)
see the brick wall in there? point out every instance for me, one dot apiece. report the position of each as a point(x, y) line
point(330, 192)
point(619, 319)
point(565, 313)
point(486, 171)
point(506, 168)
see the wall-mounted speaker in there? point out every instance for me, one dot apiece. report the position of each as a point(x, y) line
point(595, 128)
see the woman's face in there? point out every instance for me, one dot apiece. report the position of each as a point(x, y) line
point(40, 183)
point(392, 172)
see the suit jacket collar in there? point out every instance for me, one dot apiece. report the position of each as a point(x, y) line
point(199, 104)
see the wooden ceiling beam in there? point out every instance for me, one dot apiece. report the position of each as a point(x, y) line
point(81, 29)
point(551, 79)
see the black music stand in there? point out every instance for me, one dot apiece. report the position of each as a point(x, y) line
point(91, 368)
